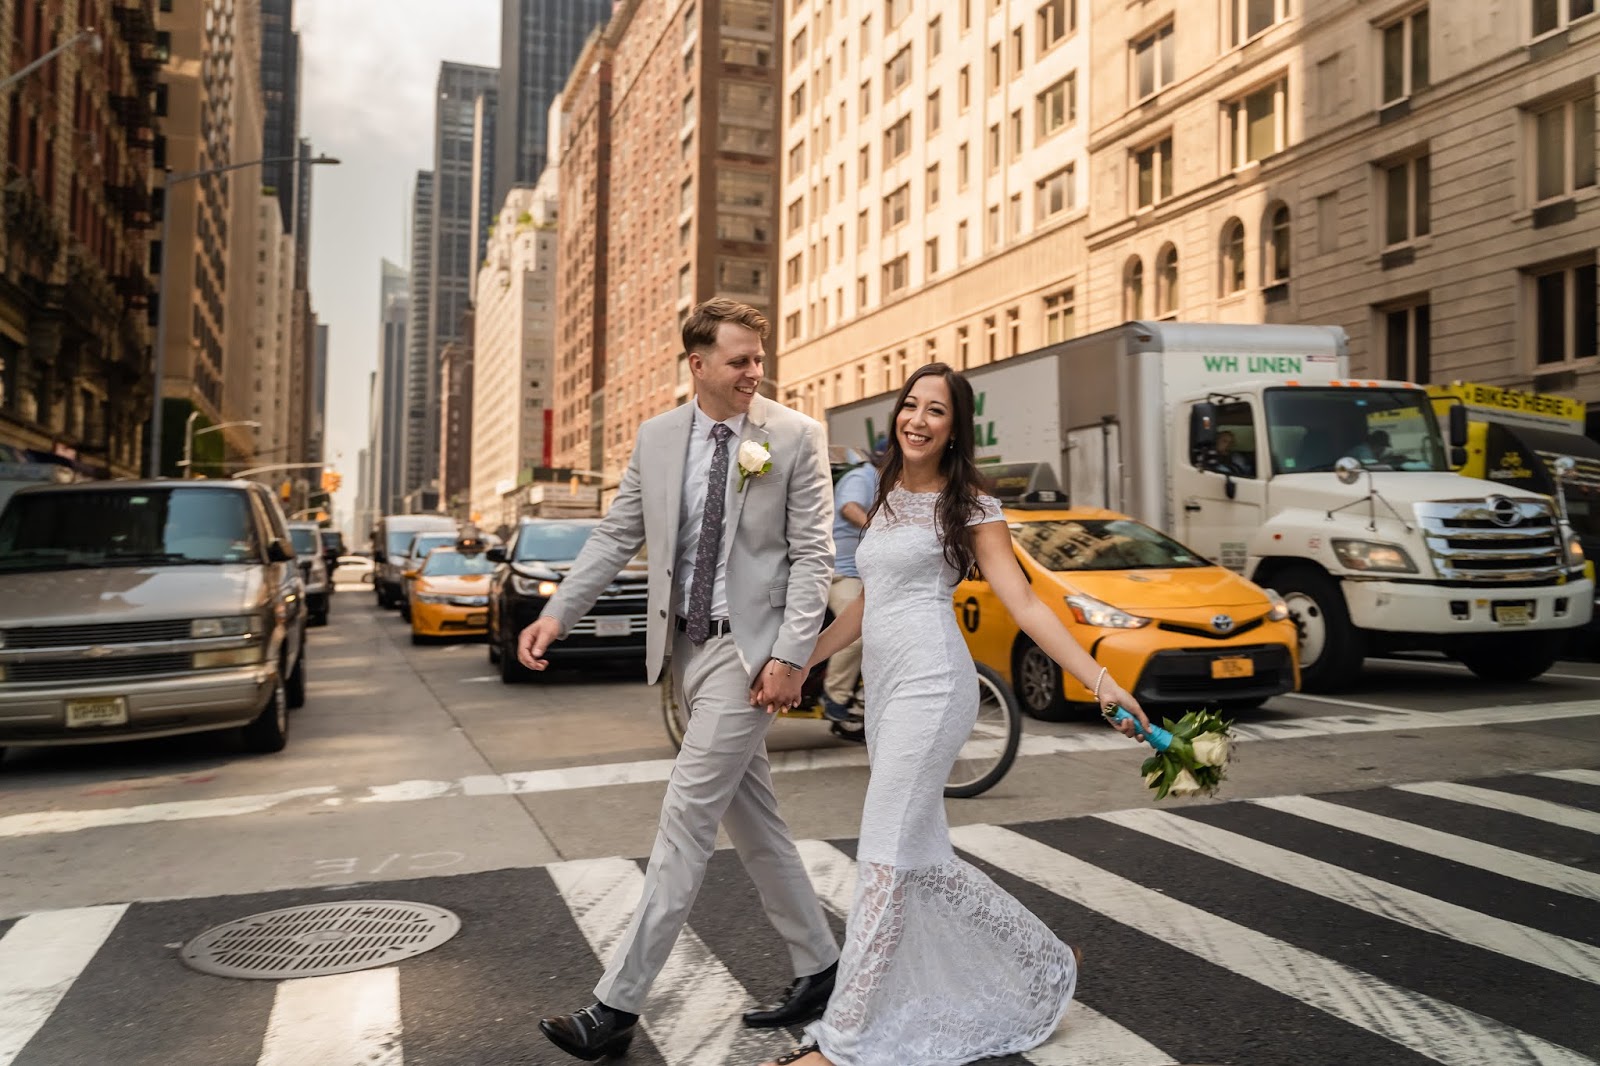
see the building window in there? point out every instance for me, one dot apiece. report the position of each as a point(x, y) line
point(962, 346)
point(1054, 194)
point(935, 38)
point(862, 230)
point(961, 242)
point(993, 151)
point(791, 327)
point(1014, 215)
point(897, 141)
point(797, 160)
point(797, 213)
point(1258, 124)
point(797, 105)
point(897, 209)
point(894, 13)
point(996, 68)
point(1405, 56)
point(1014, 330)
point(897, 73)
point(1058, 317)
point(933, 113)
point(1166, 281)
point(1564, 149)
point(791, 272)
point(1277, 252)
point(1564, 313)
point(1133, 289)
point(896, 275)
point(930, 257)
point(1247, 18)
point(1232, 257)
point(1055, 20)
point(1017, 56)
point(991, 339)
point(1552, 15)
point(1406, 342)
point(964, 89)
point(864, 163)
point(1152, 167)
point(1056, 108)
point(797, 48)
point(931, 187)
point(1152, 62)
point(963, 165)
point(1016, 135)
point(1405, 201)
point(991, 229)
point(866, 37)
point(861, 292)
point(866, 98)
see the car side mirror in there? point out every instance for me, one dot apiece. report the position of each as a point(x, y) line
point(496, 555)
point(280, 551)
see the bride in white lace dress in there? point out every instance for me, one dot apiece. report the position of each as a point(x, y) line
point(940, 965)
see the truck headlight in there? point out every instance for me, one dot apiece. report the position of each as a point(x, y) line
point(527, 586)
point(1279, 611)
point(1093, 612)
point(220, 627)
point(1372, 555)
point(1575, 556)
point(246, 656)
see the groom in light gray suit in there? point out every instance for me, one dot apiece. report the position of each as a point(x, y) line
point(731, 495)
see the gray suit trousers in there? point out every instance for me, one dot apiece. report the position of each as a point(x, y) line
point(721, 775)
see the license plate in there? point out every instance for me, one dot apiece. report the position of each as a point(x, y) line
point(1513, 614)
point(481, 618)
point(1233, 667)
point(612, 627)
point(87, 714)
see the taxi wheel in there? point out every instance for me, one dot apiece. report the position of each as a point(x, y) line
point(1037, 680)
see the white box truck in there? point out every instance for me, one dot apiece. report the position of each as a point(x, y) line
point(1252, 445)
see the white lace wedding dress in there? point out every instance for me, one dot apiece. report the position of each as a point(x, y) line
point(940, 965)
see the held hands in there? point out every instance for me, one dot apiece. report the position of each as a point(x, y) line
point(777, 688)
point(534, 640)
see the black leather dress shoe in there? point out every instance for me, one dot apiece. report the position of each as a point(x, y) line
point(589, 1034)
point(805, 1001)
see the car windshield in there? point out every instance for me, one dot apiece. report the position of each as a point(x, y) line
point(555, 542)
point(127, 527)
point(426, 542)
point(457, 564)
point(1101, 544)
point(1311, 429)
point(305, 540)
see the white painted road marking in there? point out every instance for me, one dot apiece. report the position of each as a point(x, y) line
point(1543, 810)
point(1430, 1026)
point(1582, 777)
point(40, 957)
point(655, 771)
point(343, 1019)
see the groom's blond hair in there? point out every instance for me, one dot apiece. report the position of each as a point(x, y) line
point(700, 328)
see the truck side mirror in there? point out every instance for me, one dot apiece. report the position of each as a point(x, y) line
point(1202, 430)
point(496, 555)
point(1458, 426)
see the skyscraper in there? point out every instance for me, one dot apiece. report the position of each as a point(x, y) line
point(539, 41)
point(415, 465)
point(485, 114)
point(387, 422)
point(280, 94)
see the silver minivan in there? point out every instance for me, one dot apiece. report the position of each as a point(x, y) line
point(133, 609)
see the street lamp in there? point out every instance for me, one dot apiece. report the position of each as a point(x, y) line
point(89, 38)
point(189, 434)
point(167, 182)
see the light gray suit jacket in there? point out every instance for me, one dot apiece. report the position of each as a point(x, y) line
point(780, 562)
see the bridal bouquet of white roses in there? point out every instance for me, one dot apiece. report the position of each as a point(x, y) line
point(1191, 754)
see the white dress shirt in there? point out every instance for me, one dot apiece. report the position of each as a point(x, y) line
point(696, 472)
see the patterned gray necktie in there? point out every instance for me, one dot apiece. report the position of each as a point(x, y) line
point(707, 551)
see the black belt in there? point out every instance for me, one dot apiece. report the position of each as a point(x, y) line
point(720, 627)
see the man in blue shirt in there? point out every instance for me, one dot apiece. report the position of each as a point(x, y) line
point(852, 499)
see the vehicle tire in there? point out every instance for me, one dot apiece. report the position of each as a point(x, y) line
point(1038, 684)
point(995, 738)
point(674, 713)
point(511, 670)
point(270, 730)
point(1331, 647)
point(494, 644)
point(1510, 657)
point(418, 638)
point(294, 689)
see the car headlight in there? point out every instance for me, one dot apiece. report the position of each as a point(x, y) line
point(1374, 555)
point(246, 656)
point(432, 597)
point(1093, 612)
point(1279, 611)
point(220, 627)
point(528, 586)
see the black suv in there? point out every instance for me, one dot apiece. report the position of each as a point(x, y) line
point(533, 564)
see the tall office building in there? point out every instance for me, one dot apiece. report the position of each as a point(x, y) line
point(539, 40)
point(416, 465)
point(274, 270)
point(485, 115)
point(387, 419)
point(280, 92)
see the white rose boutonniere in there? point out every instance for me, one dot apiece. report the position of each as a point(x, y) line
point(755, 459)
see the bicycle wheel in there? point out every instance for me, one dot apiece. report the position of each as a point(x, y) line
point(674, 713)
point(992, 747)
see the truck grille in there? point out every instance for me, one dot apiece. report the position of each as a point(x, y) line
point(1493, 541)
point(33, 637)
point(98, 669)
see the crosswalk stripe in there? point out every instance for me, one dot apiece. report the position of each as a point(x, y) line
point(1489, 857)
point(694, 1014)
point(1582, 777)
point(345, 1019)
point(1543, 810)
point(40, 957)
point(40, 822)
point(1425, 1024)
point(1394, 902)
point(1085, 1038)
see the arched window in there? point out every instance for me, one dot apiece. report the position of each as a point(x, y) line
point(1232, 257)
point(1276, 260)
point(1133, 290)
point(1166, 281)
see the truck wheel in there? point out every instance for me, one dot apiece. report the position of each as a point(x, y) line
point(270, 730)
point(295, 687)
point(1510, 657)
point(1331, 647)
point(1037, 681)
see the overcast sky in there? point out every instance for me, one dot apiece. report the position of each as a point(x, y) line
point(367, 78)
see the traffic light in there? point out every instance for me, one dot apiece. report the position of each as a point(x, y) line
point(286, 490)
point(331, 481)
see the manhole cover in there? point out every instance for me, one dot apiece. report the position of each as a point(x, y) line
point(322, 938)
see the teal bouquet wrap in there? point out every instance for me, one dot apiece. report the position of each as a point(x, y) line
point(1191, 754)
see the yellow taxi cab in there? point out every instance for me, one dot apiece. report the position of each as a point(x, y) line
point(450, 591)
point(1181, 631)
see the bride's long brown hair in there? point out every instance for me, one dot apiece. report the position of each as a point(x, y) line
point(958, 501)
